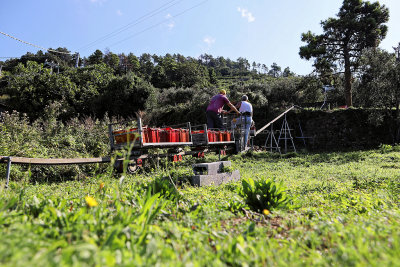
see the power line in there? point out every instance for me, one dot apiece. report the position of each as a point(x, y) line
point(27, 56)
point(133, 23)
point(46, 49)
point(155, 25)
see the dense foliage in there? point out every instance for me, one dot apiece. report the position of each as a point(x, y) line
point(162, 86)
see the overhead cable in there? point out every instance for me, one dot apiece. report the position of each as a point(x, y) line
point(46, 49)
point(155, 25)
point(133, 23)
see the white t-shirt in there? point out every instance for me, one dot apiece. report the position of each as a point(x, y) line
point(245, 107)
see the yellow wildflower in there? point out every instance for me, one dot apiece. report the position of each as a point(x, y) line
point(91, 202)
point(266, 212)
point(101, 186)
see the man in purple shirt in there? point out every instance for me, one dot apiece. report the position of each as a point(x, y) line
point(214, 110)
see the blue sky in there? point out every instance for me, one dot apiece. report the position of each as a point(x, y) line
point(263, 31)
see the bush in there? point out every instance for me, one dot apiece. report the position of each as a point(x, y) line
point(263, 194)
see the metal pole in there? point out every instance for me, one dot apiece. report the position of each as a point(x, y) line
point(8, 170)
point(285, 134)
point(272, 136)
point(77, 60)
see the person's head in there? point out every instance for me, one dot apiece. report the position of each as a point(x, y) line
point(222, 92)
point(245, 98)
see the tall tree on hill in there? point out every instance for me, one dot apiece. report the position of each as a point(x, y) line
point(112, 60)
point(358, 25)
point(275, 70)
point(146, 65)
point(95, 58)
point(133, 63)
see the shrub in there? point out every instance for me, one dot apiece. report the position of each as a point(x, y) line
point(263, 194)
point(164, 188)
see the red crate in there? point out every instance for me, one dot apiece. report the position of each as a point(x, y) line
point(145, 136)
point(172, 135)
point(227, 136)
point(218, 136)
point(163, 135)
point(211, 136)
point(177, 135)
point(132, 134)
point(184, 135)
point(152, 134)
point(121, 137)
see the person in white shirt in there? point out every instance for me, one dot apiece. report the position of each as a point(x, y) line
point(246, 111)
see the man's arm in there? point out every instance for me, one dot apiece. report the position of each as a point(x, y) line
point(233, 108)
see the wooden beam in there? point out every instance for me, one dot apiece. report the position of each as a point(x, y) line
point(41, 161)
point(274, 120)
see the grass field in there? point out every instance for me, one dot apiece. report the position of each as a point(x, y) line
point(342, 209)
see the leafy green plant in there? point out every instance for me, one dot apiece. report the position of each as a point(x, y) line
point(264, 194)
point(164, 188)
point(227, 169)
point(236, 205)
point(386, 148)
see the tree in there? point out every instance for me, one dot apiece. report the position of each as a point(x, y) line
point(358, 25)
point(265, 68)
point(133, 63)
point(146, 65)
point(275, 70)
point(243, 64)
point(96, 57)
point(32, 88)
point(254, 65)
point(287, 72)
point(112, 60)
point(126, 95)
point(379, 87)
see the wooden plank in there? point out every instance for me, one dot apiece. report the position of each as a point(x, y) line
point(274, 120)
point(42, 161)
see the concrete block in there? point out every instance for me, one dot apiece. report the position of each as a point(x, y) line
point(215, 179)
point(210, 168)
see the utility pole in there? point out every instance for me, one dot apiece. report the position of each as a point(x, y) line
point(77, 60)
point(397, 52)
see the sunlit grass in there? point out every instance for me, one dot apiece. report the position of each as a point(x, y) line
point(344, 211)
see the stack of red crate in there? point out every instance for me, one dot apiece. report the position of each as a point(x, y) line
point(165, 135)
point(123, 136)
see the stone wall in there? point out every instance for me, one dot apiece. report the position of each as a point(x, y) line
point(334, 130)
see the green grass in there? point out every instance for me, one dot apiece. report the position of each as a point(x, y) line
point(344, 211)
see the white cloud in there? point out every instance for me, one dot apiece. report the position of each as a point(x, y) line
point(246, 14)
point(171, 25)
point(209, 40)
point(100, 2)
point(119, 12)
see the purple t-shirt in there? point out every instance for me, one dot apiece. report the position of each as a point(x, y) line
point(217, 102)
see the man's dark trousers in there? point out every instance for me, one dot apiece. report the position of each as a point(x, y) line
point(214, 120)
